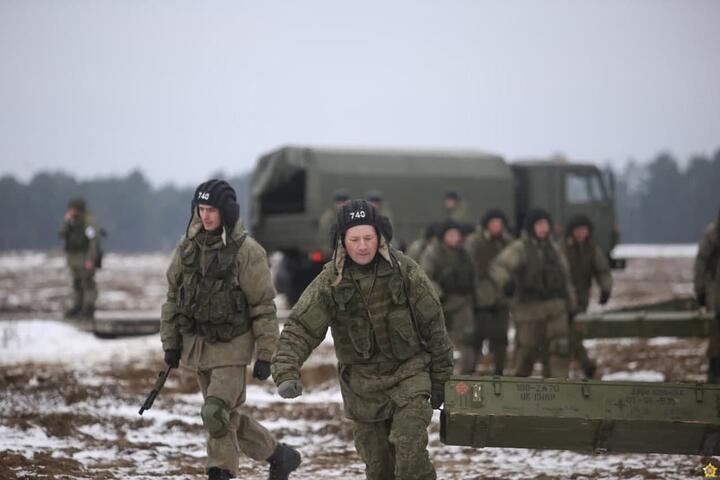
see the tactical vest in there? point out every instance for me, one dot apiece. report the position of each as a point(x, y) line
point(485, 252)
point(455, 274)
point(75, 239)
point(542, 278)
point(212, 306)
point(381, 331)
point(580, 259)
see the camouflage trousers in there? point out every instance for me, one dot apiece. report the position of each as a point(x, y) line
point(396, 449)
point(491, 324)
point(460, 323)
point(244, 434)
point(542, 334)
point(84, 289)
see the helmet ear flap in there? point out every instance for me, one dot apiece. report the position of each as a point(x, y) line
point(386, 229)
point(334, 232)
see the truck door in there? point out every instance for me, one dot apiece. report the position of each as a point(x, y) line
point(585, 193)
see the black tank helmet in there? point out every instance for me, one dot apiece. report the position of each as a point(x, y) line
point(579, 220)
point(218, 194)
point(491, 214)
point(533, 217)
point(359, 212)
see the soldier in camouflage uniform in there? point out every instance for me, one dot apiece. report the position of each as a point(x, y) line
point(220, 309)
point(455, 208)
point(707, 288)
point(327, 220)
point(393, 352)
point(545, 297)
point(491, 312)
point(449, 265)
point(418, 246)
point(82, 249)
point(587, 261)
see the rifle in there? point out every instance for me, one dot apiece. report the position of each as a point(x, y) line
point(162, 376)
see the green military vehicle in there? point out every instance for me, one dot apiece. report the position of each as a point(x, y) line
point(291, 188)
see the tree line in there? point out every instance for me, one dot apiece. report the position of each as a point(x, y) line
point(659, 201)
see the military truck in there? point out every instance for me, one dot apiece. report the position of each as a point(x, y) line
point(291, 188)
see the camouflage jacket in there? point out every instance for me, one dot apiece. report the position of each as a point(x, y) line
point(587, 262)
point(483, 249)
point(417, 355)
point(707, 261)
point(524, 259)
point(82, 240)
point(250, 274)
point(450, 269)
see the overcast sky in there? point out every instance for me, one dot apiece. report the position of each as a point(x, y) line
point(181, 89)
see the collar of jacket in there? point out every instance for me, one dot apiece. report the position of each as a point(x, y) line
point(340, 258)
point(503, 236)
point(196, 227)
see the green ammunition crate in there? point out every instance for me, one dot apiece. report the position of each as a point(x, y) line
point(592, 416)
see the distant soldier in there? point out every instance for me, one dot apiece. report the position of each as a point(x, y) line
point(220, 309)
point(327, 219)
point(545, 297)
point(82, 249)
point(491, 313)
point(393, 352)
point(450, 267)
point(377, 200)
point(587, 262)
point(418, 246)
point(707, 288)
point(455, 207)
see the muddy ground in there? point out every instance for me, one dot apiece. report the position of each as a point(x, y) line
point(70, 416)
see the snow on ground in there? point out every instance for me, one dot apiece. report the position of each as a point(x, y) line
point(69, 401)
point(639, 250)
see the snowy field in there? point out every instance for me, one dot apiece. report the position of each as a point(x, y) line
point(69, 401)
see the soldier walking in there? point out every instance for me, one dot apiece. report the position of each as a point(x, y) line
point(545, 297)
point(327, 219)
point(587, 261)
point(393, 352)
point(449, 265)
point(491, 311)
point(219, 309)
point(82, 250)
point(706, 282)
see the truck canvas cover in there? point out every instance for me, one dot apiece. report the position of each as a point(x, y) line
point(593, 416)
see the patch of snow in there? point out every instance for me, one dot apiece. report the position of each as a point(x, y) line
point(639, 250)
point(636, 376)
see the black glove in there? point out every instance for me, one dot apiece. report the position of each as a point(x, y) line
point(509, 289)
point(701, 300)
point(437, 398)
point(261, 370)
point(172, 357)
point(604, 297)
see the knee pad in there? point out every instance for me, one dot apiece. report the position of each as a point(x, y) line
point(559, 347)
point(215, 417)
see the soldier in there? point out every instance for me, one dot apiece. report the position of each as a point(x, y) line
point(587, 261)
point(82, 249)
point(450, 267)
point(219, 309)
point(418, 246)
point(455, 208)
point(545, 297)
point(377, 200)
point(327, 219)
point(491, 313)
point(707, 288)
point(390, 341)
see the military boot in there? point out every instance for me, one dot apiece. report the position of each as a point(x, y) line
point(72, 312)
point(88, 313)
point(589, 369)
point(215, 473)
point(283, 461)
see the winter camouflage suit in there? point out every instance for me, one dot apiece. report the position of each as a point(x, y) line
point(82, 244)
point(220, 309)
point(492, 312)
point(392, 349)
point(545, 300)
point(452, 273)
point(587, 261)
point(707, 288)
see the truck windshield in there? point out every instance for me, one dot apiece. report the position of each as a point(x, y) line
point(584, 187)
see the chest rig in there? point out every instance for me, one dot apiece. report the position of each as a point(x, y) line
point(542, 278)
point(456, 273)
point(211, 302)
point(374, 321)
point(76, 240)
